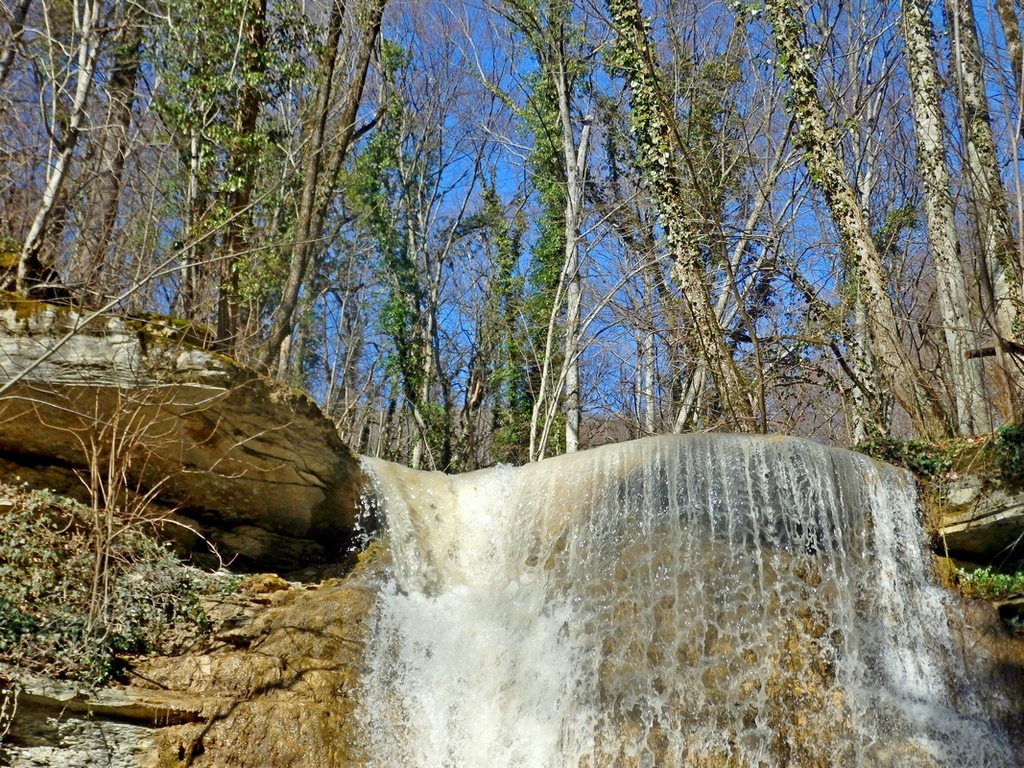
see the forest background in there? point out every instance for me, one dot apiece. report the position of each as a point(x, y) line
point(482, 232)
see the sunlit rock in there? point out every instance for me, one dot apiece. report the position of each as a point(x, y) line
point(133, 412)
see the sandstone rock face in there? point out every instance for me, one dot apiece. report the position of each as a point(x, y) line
point(58, 726)
point(273, 687)
point(983, 525)
point(130, 412)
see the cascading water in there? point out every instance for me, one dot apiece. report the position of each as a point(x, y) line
point(676, 601)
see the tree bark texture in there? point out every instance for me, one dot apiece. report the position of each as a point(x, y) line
point(998, 264)
point(652, 121)
point(929, 133)
point(864, 268)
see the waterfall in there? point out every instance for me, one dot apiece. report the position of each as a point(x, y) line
point(705, 600)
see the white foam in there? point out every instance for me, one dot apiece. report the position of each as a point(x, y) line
point(642, 602)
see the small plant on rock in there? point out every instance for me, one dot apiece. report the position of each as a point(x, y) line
point(924, 458)
point(1008, 448)
point(989, 583)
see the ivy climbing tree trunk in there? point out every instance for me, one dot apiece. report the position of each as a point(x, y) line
point(929, 133)
point(652, 122)
point(865, 270)
point(997, 251)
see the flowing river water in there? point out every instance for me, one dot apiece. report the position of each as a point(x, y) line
point(706, 600)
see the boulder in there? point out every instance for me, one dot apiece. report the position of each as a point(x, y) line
point(982, 524)
point(134, 413)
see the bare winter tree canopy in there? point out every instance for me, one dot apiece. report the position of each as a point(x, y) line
point(492, 232)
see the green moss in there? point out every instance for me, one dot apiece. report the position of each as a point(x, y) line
point(161, 329)
point(10, 253)
point(25, 309)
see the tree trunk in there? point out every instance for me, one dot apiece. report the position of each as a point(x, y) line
point(648, 359)
point(826, 170)
point(112, 149)
point(283, 319)
point(315, 201)
point(997, 251)
point(575, 172)
point(196, 244)
point(30, 267)
point(241, 168)
point(1014, 47)
point(652, 122)
point(929, 132)
point(867, 409)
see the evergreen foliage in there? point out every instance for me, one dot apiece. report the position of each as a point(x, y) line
point(47, 574)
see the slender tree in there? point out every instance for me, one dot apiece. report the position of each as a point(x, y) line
point(107, 154)
point(929, 133)
point(555, 41)
point(574, 148)
point(865, 270)
point(72, 109)
point(243, 155)
point(320, 179)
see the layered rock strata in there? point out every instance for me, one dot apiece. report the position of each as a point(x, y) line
point(132, 412)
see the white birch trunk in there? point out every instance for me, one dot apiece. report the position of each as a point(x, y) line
point(86, 28)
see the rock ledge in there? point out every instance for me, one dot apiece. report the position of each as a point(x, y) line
point(219, 452)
